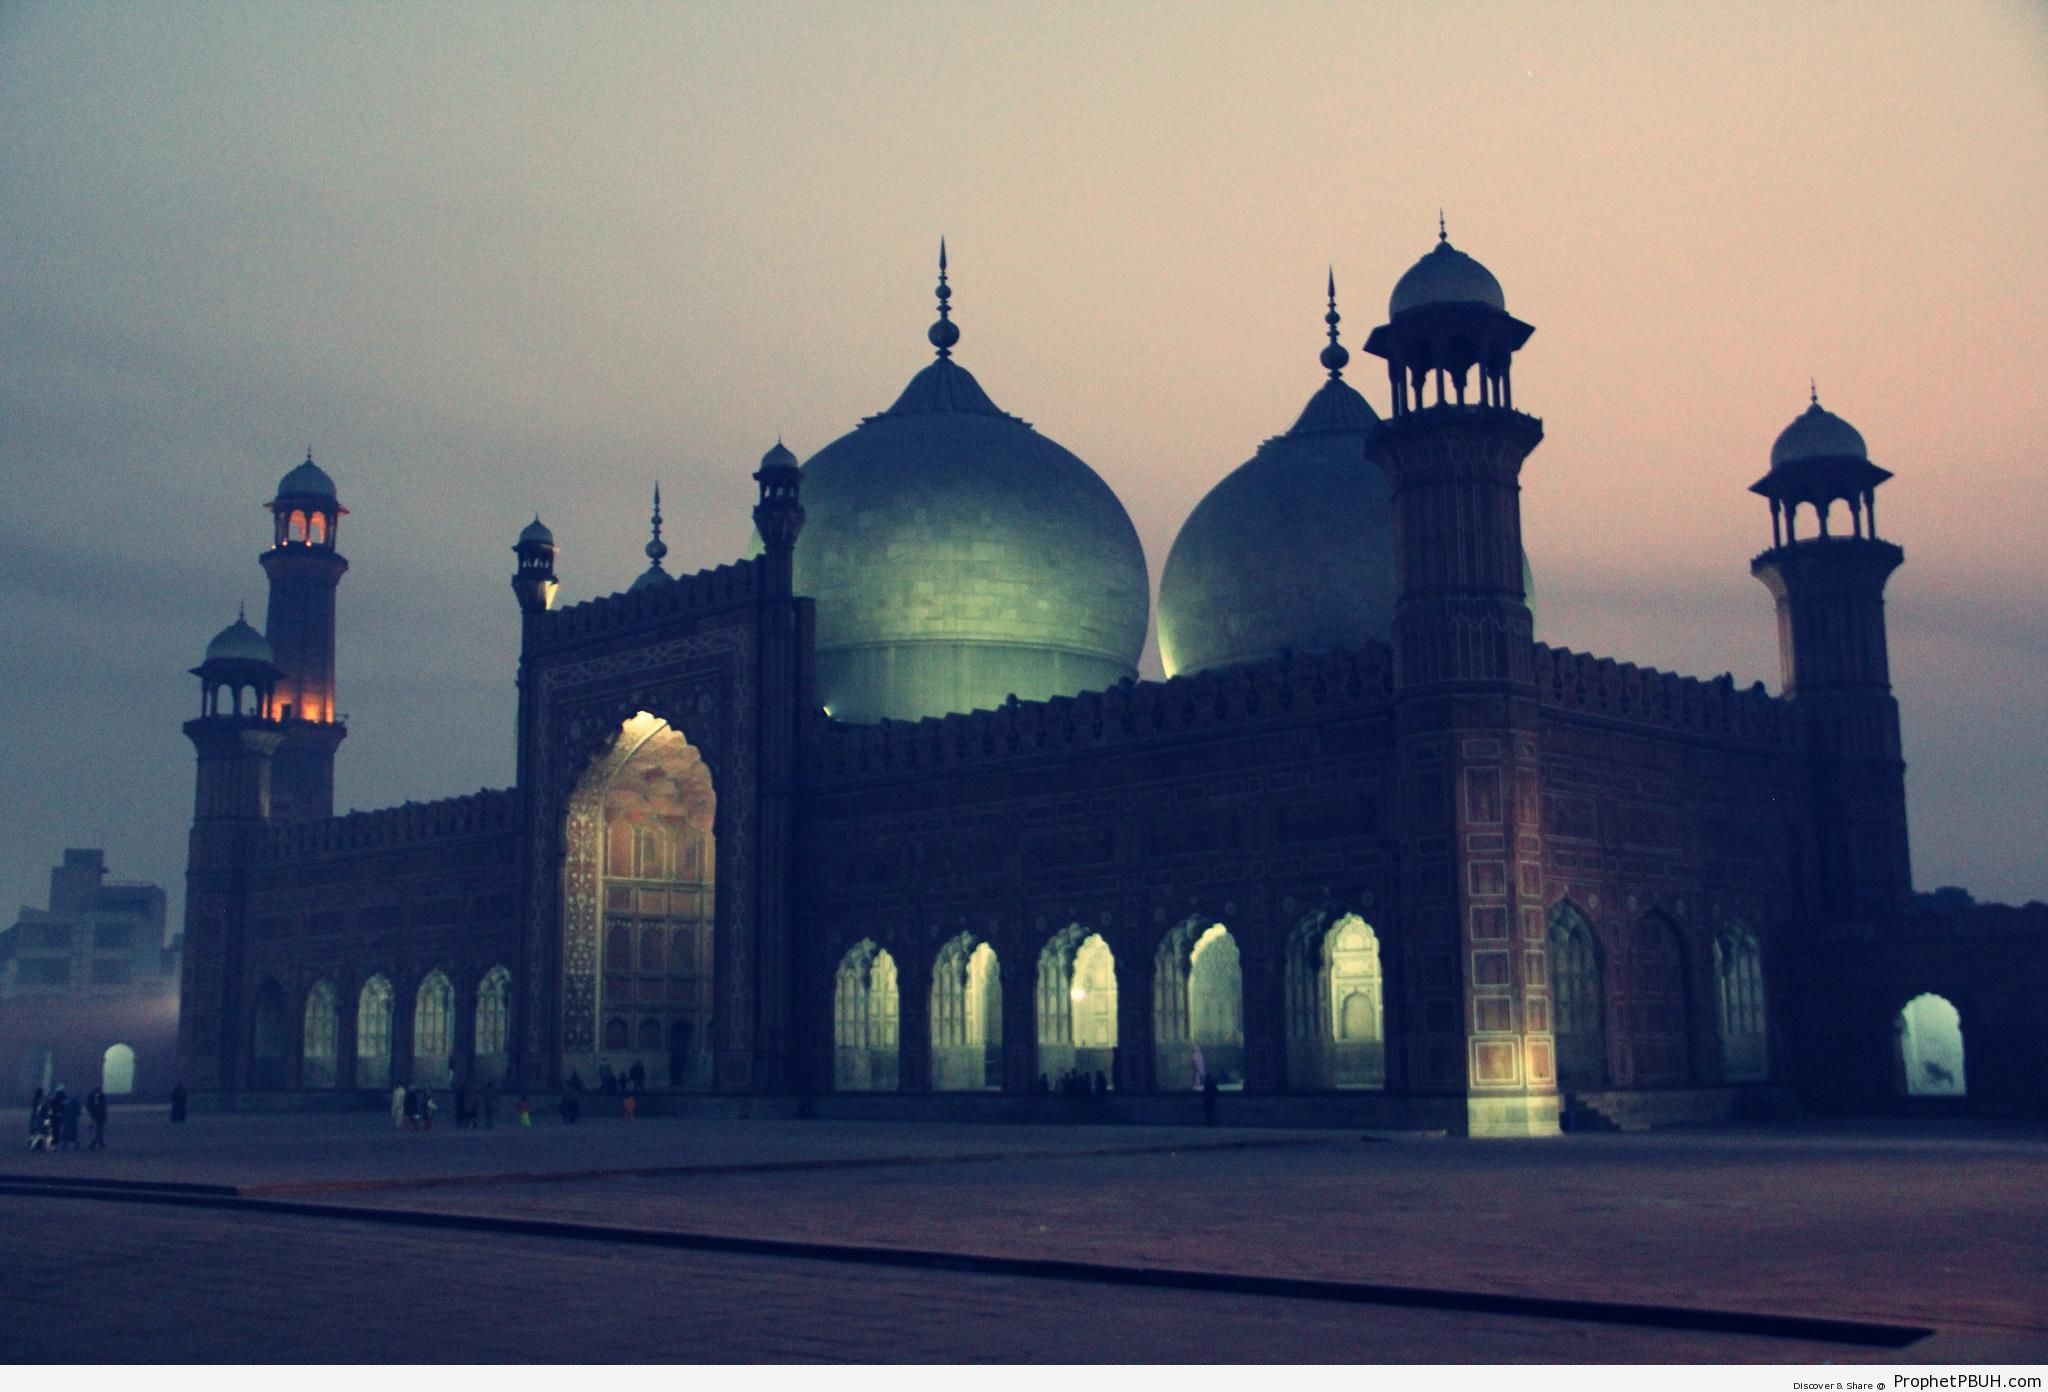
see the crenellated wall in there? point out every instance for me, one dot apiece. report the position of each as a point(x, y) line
point(1601, 686)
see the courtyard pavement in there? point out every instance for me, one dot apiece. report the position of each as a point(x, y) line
point(1937, 1224)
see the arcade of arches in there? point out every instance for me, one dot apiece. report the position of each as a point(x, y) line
point(1630, 1023)
point(639, 903)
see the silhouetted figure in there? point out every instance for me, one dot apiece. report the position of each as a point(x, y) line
point(401, 1111)
point(178, 1101)
point(638, 1076)
point(575, 1083)
point(413, 1098)
point(570, 1108)
point(74, 1106)
point(38, 1117)
point(96, 1109)
point(1045, 1084)
point(1209, 1098)
point(1101, 1082)
point(607, 1081)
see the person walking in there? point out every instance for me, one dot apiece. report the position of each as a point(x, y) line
point(38, 1112)
point(637, 1076)
point(1209, 1098)
point(525, 1112)
point(401, 1113)
point(96, 1108)
point(179, 1097)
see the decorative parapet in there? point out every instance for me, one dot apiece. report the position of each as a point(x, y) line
point(737, 582)
point(1282, 689)
point(485, 812)
point(1622, 691)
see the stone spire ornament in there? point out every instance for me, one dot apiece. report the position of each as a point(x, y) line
point(656, 548)
point(1334, 355)
point(945, 333)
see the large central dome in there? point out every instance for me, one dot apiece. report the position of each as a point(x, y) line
point(958, 557)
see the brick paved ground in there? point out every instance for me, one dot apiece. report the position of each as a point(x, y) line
point(1935, 1223)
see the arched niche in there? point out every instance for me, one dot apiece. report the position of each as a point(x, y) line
point(1077, 993)
point(1336, 1004)
point(493, 1025)
point(639, 908)
point(1930, 1048)
point(1739, 1017)
point(433, 1032)
point(1198, 1007)
point(966, 1016)
point(866, 1033)
point(269, 1038)
point(373, 1034)
point(1578, 987)
point(317, 1061)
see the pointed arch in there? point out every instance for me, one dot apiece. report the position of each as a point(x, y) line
point(433, 1031)
point(1930, 1046)
point(866, 1033)
point(1578, 986)
point(317, 1061)
point(1198, 1007)
point(639, 908)
point(493, 1025)
point(1739, 1016)
point(117, 1070)
point(966, 1016)
point(373, 1034)
point(1077, 1005)
point(1336, 1004)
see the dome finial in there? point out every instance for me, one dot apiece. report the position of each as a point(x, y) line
point(1334, 355)
point(1813, 391)
point(945, 333)
point(656, 548)
point(241, 613)
point(1442, 234)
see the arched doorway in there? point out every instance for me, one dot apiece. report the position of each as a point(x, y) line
point(493, 1025)
point(1076, 1007)
point(865, 1032)
point(1653, 1012)
point(1580, 1016)
point(1336, 1005)
point(967, 1017)
point(317, 1054)
point(117, 1071)
point(433, 1032)
point(270, 1038)
point(1198, 1008)
point(639, 905)
point(373, 1034)
point(1739, 1005)
point(1930, 1043)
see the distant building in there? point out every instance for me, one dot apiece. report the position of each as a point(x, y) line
point(88, 986)
point(882, 807)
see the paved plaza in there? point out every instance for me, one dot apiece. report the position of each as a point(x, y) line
point(1935, 1225)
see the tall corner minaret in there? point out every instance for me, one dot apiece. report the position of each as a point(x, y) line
point(1832, 650)
point(1470, 894)
point(304, 570)
point(236, 737)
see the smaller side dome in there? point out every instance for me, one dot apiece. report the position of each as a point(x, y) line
point(1817, 434)
point(239, 643)
point(536, 533)
point(308, 480)
point(1446, 276)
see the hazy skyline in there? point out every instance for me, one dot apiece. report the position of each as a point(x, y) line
point(490, 260)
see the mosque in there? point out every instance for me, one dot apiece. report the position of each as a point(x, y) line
point(879, 819)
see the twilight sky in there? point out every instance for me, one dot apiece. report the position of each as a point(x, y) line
point(493, 258)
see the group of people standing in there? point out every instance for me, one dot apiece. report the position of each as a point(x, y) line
point(414, 1108)
point(53, 1119)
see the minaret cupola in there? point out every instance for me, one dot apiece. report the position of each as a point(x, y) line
point(1447, 316)
point(238, 678)
point(534, 581)
point(1820, 460)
